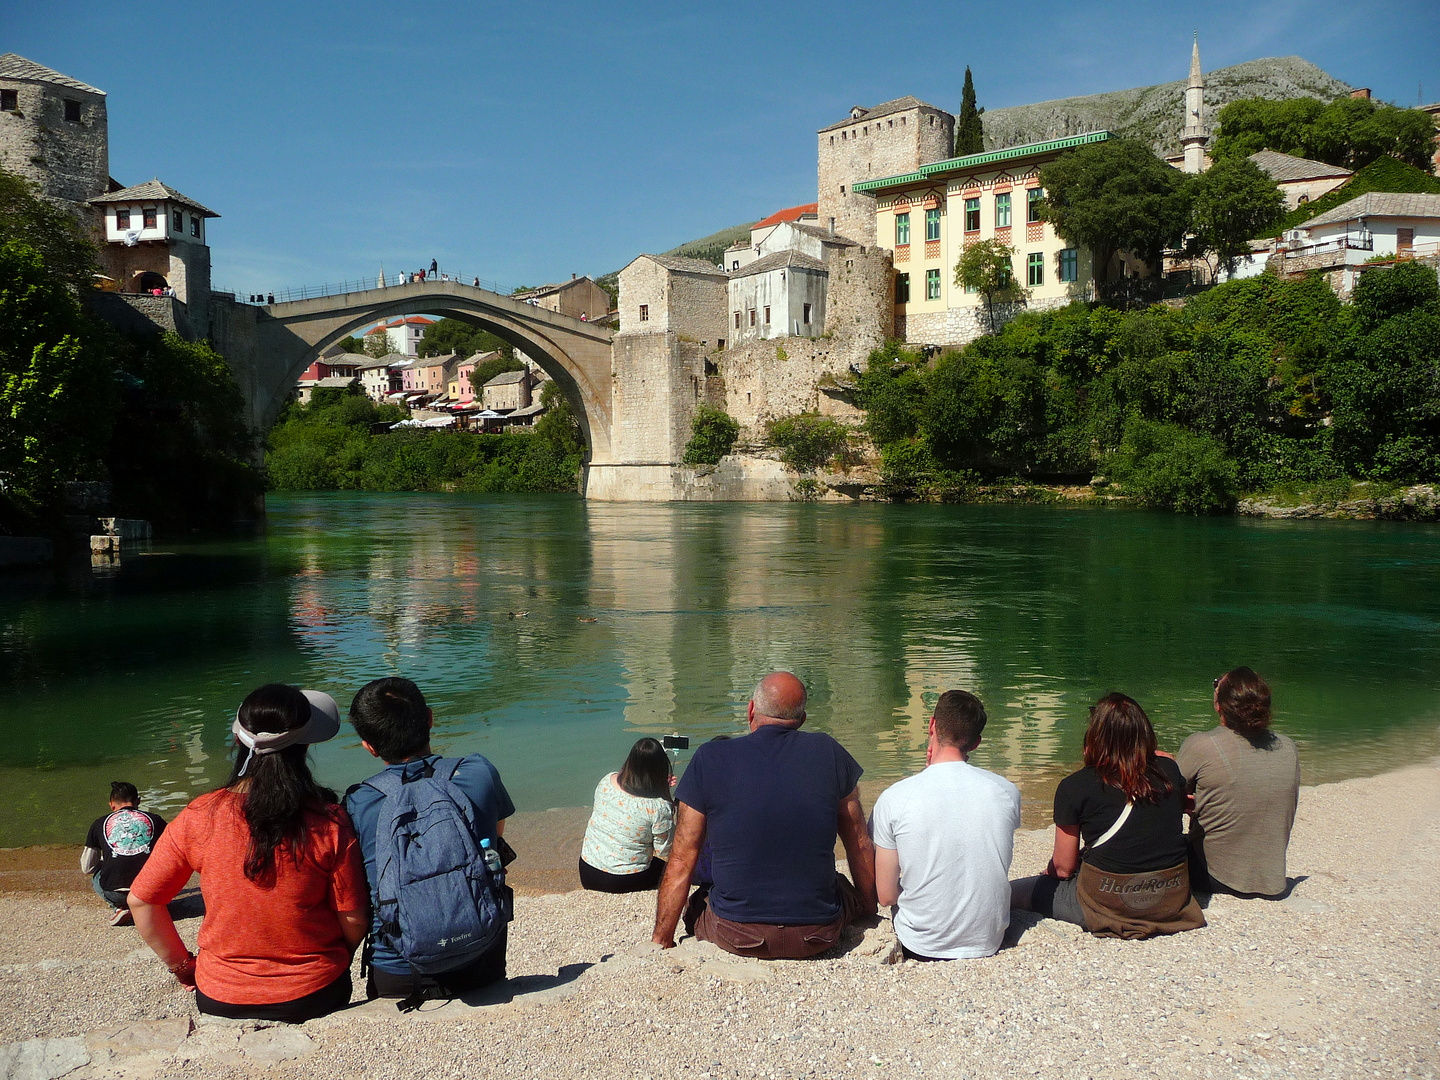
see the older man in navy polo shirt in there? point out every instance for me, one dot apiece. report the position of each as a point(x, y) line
point(771, 804)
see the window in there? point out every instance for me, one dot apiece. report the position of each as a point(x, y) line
point(1032, 204)
point(972, 214)
point(932, 224)
point(737, 320)
point(735, 264)
point(194, 225)
point(122, 219)
point(179, 220)
point(150, 221)
point(932, 284)
point(752, 316)
point(902, 228)
point(1069, 264)
point(1002, 211)
point(644, 312)
point(807, 314)
point(842, 189)
point(1303, 200)
point(72, 111)
point(902, 288)
point(1035, 269)
point(767, 314)
point(9, 101)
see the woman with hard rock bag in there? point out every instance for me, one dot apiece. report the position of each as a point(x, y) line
point(1131, 879)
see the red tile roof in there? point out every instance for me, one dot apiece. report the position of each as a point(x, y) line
point(793, 213)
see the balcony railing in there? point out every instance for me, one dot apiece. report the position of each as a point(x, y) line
point(354, 285)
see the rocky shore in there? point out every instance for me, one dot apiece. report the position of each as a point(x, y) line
point(1338, 980)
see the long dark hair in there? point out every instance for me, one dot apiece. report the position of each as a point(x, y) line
point(1120, 747)
point(1244, 700)
point(280, 788)
point(646, 772)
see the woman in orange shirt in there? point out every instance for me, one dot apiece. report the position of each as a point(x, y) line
point(286, 902)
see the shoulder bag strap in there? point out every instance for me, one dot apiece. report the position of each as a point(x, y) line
point(1109, 833)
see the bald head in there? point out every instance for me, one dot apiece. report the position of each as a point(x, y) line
point(778, 699)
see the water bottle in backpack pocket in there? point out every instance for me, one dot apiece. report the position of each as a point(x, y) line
point(440, 905)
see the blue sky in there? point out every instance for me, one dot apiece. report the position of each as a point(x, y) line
point(523, 143)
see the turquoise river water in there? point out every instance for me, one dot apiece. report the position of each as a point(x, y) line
point(136, 674)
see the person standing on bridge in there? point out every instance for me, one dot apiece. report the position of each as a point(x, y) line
point(434, 268)
point(476, 283)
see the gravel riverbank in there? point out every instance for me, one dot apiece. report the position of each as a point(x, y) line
point(1338, 980)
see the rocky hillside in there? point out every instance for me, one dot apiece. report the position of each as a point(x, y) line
point(1155, 113)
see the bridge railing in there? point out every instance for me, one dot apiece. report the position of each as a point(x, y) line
point(337, 288)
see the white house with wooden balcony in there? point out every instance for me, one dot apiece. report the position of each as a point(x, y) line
point(155, 241)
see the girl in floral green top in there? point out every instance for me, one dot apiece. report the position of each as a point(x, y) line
point(628, 838)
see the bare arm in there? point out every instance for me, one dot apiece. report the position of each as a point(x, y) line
point(158, 930)
point(353, 926)
point(89, 860)
point(500, 827)
point(675, 886)
point(1066, 859)
point(859, 851)
point(887, 876)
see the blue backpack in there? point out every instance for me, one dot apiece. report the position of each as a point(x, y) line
point(439, 906)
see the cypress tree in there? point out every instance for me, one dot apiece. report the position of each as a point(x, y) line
point(969, 131)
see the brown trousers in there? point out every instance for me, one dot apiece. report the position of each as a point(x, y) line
point(769, 941)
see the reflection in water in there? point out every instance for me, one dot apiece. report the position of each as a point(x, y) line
point(879, 608)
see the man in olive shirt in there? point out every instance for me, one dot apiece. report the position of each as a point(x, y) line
point(1246, 782)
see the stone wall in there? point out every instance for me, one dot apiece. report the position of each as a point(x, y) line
point(68, 159)
point(142, 314)
point(955, 327)
point(659, 380)
point(691, 305)
point(765, 380)
point(865, 149)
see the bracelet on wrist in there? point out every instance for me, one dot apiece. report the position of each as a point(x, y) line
point(183, 964)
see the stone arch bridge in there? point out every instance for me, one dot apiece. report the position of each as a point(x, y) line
point(269, 347)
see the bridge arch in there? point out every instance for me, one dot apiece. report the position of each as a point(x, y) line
point(291, 336)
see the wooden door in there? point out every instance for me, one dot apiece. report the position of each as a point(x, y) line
point(1404, 241)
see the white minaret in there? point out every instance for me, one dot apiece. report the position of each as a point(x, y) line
point(1194, 136)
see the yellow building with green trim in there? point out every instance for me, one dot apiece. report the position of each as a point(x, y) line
point(925, 218)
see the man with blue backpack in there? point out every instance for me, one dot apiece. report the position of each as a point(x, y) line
point(429, 830)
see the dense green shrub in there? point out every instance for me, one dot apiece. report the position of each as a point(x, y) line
point(712, 434)
point(1166, 466)
point(808, 440)
point(327, 445)
point(1279, 379)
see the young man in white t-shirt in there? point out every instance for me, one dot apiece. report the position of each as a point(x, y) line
point(943, 843)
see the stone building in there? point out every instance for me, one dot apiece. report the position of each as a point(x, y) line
point(893, 138)
point(54, 132)
point(403, 335)
point(155, 238)
point(926, 218)
point(1195, 135)
point(667, 294)
point(508, 391)
point(579, 298)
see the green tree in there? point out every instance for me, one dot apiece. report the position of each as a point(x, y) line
point(559, 425)
point(808, 440)
point(50, 232)
point(988, 267)
point(969, 128)
point(1230, 203)
point(891, 390)
point(352, 344)
point(1115, 196)
point(712, 434)
point(462, 339)
point(57, 391)
point(487, 370)
point(1347, 131)
point(377, 345)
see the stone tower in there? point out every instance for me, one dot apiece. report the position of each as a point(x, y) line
point(1194, 136)
point(54, 132)
point(893, 138)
